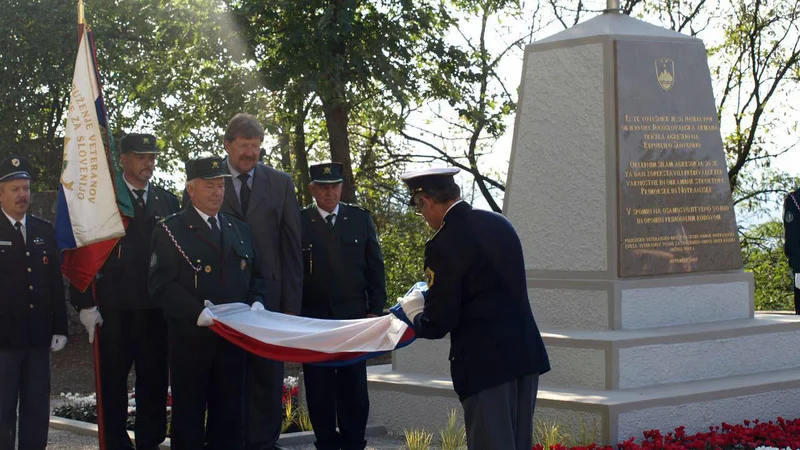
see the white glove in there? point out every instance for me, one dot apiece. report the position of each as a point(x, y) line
point(412, 304)
point(90, 318)
point(58, 342)
point(257, 306)
point(797, 280)
point(206, 318)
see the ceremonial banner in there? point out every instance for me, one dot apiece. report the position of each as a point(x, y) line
point(288, 338)
point(88, 220)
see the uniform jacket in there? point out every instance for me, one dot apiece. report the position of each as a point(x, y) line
point(791, 223)
point(122, 281)
point(477, 292)
point(226, 273)
point(32, 303)
point(344, 276)
point(273, 215)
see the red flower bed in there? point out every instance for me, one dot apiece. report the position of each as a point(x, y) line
point(781, 433)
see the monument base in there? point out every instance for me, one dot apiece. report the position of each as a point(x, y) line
point(404, 399)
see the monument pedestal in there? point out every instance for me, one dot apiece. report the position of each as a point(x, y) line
point(618, 190)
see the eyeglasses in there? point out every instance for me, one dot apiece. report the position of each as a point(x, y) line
point(418, 205)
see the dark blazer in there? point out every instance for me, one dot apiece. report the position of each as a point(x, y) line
point(477, 292)
point(344, 276)
point(32, 303)
point(122, 281)
point(791, 224)
point(222, 273)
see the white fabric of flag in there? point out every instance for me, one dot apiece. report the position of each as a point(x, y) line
point(85, 176)
point(326, 336)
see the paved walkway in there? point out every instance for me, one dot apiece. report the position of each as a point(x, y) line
point(65, 440)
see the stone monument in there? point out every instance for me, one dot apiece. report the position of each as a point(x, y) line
point(618, 189)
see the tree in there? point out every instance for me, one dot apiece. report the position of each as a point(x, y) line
point(762, 248)
point(468, 92)
point(347, 52)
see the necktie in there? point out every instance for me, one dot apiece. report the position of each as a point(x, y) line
point(18, 226)
point(139, 197)
point(244, 192)
point(213, 222)
point(329, 218)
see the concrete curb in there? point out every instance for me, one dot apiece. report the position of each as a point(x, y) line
point(299, 438)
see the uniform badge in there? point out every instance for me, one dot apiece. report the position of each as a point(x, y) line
point(789, 216)
point(215, 165)
point(15, 162)
point(429, 276)
point(243, 264)
point(45, 260)
point(153, 259)
point(208, 269)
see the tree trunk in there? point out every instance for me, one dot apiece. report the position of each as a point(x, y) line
point(301, 157)
point(336, 122)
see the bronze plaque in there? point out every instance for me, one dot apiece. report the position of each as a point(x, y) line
point(675, 211)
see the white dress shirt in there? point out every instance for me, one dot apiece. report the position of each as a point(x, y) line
point(325, 214)
point(131, 188)
point(206, 216)
point(24, 222)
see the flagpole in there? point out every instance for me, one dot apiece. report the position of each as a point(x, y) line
point(98, 381)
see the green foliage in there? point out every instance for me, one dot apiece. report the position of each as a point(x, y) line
point(402, 240)
point(454, 436)
point(549, 434)
point(762, 250)
point(303, 420)
point(417, 439)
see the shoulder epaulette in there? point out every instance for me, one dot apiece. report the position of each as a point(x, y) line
point(161, 190)
point(40, 219)
point(171, 216)
point(355, 206)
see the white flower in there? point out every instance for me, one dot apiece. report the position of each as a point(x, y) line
point(290, 382)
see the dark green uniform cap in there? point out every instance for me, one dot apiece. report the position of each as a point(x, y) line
point(326, 173)
point(206, 168)
point(138, 143)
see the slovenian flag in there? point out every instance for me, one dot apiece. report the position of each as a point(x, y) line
point(283, 337)
point(287, 338)
point(88, 219)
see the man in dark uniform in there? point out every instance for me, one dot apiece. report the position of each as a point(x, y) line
point(477, 292)
point(134, 329)
point(791, 246)
point(344, 278)
point(33, 316)
point(202, 257)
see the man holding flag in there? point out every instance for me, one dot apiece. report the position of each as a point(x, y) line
point(88, 219)
point(33, 317)
point(135, 331)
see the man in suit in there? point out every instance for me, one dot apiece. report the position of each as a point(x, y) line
point(791, 246)
point(477, 292)
point(201, 257)
point(344, 278)
point(134, 329)
point(264, 198)
point(33, 316)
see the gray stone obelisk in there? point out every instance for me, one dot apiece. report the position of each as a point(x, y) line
point(618, 189)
